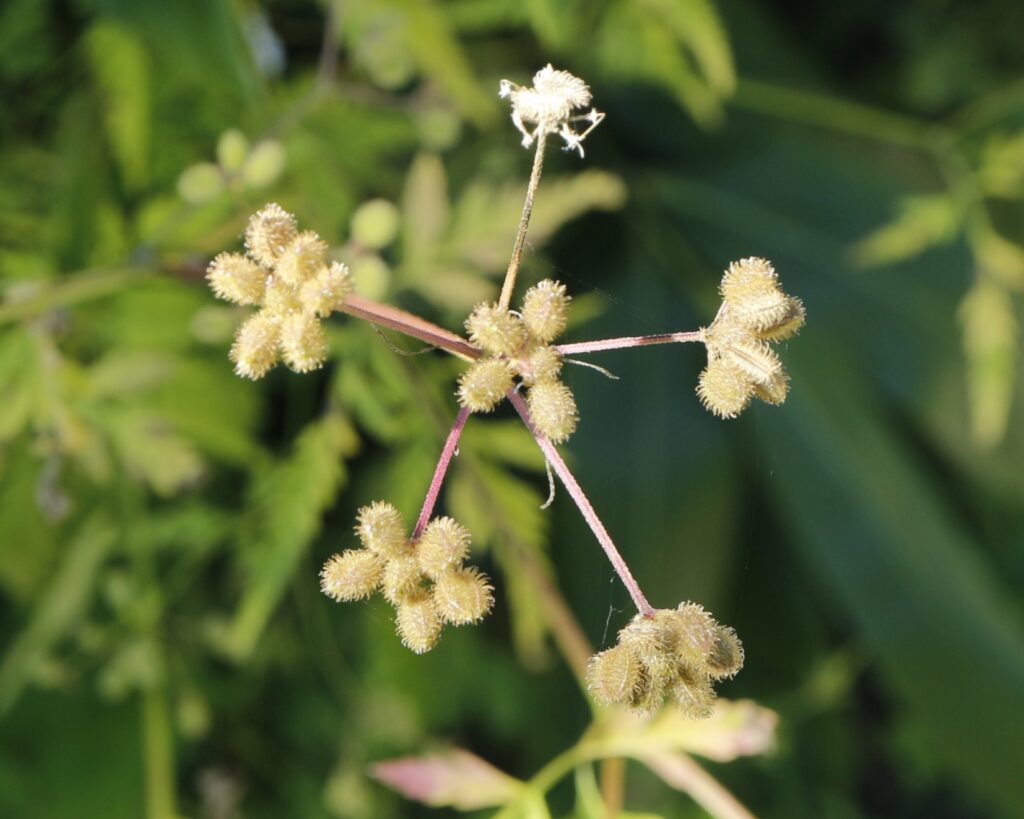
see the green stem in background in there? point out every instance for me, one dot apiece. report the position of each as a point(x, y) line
point(158, 755)
point(69, 290)
point(524, 223)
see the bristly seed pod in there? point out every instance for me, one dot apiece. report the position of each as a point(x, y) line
point(401, 577)
point(754, 358)
point(255, 349)
point(541, 364)
point(775, 391)
point(614, 675)
point(270, 231)
point(545, 310)
point(302, 259)
point(484, 384)
point(442, 547)
point(417, 622)
point(326, 292)
point(463, 596)
point(724, 389)
point(748, 277)
point(696, 632)
point(553, 410)
point(496, 331)
point(789, 324)
point(237, 278)
point(280, 299)
point(380, 529)
point(303, 344)
point(352, 575)
point(726, 656)
point(692, 693)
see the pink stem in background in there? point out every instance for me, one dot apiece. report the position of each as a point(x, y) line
point(628, 341)
point(585, 507)
point(451, 444)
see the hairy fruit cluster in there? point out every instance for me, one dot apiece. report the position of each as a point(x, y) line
point(672, 654)
point(741, 362)
point(286, 274)
point(425, 580)
point(518, 345)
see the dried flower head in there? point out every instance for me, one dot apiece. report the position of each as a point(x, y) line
point(741, 363)
point(669, 654)
point(549, 104)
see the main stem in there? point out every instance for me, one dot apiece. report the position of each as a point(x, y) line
point(586, 508)
point(451, 444)
point(524, 222)
point(411, 325)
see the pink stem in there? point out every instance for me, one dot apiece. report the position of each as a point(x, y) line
point(450, 445)
point(628, 341)
point(585, 507)
point(405, 322)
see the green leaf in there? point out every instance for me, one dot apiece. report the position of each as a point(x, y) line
point(636, 45)
point(60, 607)
point(922, 223)
point(865, 514)
point(990, 345)
point(286, 503)
point(424, 213)
point(699, 28)
point(120, 68)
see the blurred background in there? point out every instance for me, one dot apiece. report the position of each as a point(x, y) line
point(164, 648)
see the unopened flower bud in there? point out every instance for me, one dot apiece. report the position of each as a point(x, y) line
point(545, 310)
point(614, 676)
point(352, 575)
point(418, 623)
point(726, 656)
point(380, 529)
point(236, 278)
point(303, 344)
point(302, 259)
point(553, 410)
point(653, 639)
point(724, 389)
point(401, 577)
point(484, 384)
point(270, 231)
point(280, 299)
point(326, 292)
point(255, 348)
point(463, 596)
point(442, 547)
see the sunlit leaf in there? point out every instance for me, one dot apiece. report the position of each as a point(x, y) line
point(922, 222)
point(990, 344)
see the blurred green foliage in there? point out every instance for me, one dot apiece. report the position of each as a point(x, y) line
point(165, 647)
